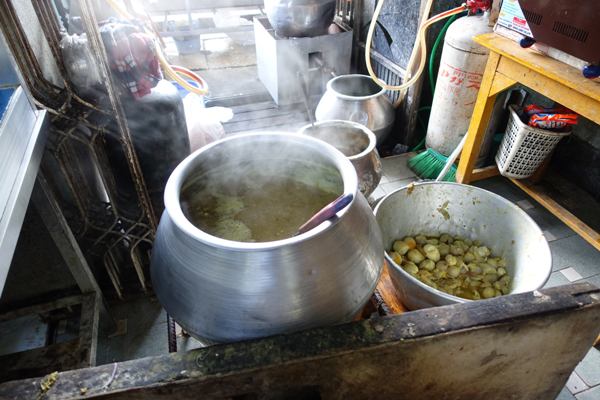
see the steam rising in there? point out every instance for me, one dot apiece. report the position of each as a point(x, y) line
point(347, 139)
point(256, 189)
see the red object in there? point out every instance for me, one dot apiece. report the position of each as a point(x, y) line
point(478, 5)
point(132, 56)
point(536, 109)
point(552, 121)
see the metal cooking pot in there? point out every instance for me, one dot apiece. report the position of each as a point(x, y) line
point(225, 290)
point(357, 143)
point(299, 18)
point(470, 212)
point(359, 99)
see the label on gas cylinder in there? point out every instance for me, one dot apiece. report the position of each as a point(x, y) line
point(457, 80)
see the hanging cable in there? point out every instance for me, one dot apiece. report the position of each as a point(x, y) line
point(421, 40)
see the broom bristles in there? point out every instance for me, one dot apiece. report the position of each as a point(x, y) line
point(429, 164)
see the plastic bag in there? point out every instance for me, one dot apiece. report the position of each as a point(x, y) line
point(552, 118)
point(204, 124)
point(79, 61)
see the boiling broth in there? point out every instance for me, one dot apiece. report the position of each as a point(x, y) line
point(257, 208)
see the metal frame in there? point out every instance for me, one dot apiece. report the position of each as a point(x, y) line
point(96, 222)
point(72, 354)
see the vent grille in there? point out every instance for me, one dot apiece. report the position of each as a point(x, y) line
point(570, 31)
point(532, 17)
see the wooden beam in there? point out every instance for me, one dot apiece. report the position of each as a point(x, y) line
point(484, 173)
point(76, 353)
point(522, 346)
point(89, 324)
point(47, 207)
point(541, 64)
point(501, 83)
point(41, 308)
point(555, 90)
point(479, 122)
point(539, 195)
point(42, 360)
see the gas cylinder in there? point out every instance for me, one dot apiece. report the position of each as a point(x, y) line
point(459, 77)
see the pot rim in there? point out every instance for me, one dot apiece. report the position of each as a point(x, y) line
point(355, 98)
point(369, 133)
point(182, 171)
point(439, 292)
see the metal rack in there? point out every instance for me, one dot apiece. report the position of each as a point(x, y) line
point(117, 242)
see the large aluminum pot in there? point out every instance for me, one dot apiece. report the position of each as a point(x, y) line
point(359, 99)
point(470, 212)
point(357, 143)
point(299, 18)
point(225, 290)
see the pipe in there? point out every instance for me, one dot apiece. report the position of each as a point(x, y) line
point(422, 45)
point(191, 75)
point(168, 70)
point(415, 51)
point(434, 48)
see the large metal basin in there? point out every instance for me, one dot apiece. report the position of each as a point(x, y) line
point(471, 212)
point(299, 18)
point(359, 99)
point(225, 290)
point(357, 143)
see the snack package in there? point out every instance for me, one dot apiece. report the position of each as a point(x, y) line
point(556, 117)
point(552, 120)
point(531, 109)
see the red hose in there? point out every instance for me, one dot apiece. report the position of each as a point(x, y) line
point(191, 75)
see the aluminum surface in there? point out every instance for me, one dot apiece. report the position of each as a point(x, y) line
point(300, 18)
point(471, 212)
point(23, 134)
point(223, 290)
point(347, 135)
point(279, 61)
point(357, 98)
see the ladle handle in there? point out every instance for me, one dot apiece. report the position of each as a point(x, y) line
point(327, 212)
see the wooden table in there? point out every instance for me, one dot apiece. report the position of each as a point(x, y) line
point(507, 65)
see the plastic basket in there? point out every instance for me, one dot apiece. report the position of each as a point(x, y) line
point(523, 148)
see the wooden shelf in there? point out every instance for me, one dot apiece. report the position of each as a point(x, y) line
point(539, 194)
point(509, 64)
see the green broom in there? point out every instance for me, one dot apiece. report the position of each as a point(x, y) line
point(429, 164)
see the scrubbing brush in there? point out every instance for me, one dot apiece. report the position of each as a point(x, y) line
point(431, 164)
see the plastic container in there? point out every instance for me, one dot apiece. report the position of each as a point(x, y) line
point(523, 147)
